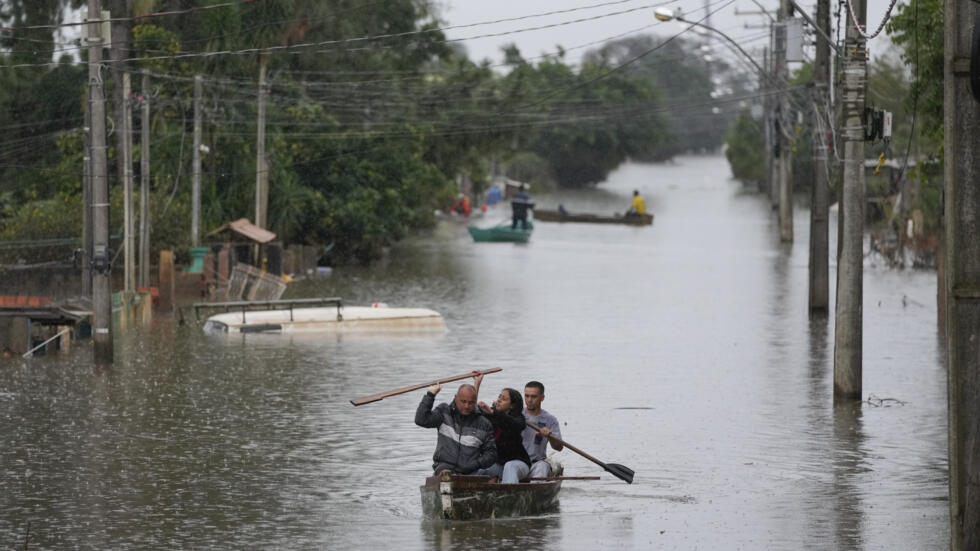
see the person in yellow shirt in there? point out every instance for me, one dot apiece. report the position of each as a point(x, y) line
point(638, 206)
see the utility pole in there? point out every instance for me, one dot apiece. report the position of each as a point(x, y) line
point(196, 185)
point(87, 201)
point(962, 283)
point(144, 279)
point(126, 159)
point(101, 291)
point(820, 193)
point(785, 192)
point(261, 163)
point(776, 141)
point(767, 117)
point(850, 268)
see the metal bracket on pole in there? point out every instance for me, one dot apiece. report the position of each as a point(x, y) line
point(830, 41)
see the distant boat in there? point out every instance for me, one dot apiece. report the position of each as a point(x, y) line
point(326, 319)
point(462, 497)
point(543, 215)
point(502, 232)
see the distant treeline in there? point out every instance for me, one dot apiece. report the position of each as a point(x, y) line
point(372, 116)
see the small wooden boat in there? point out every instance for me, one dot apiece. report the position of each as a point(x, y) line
point(465, 497)
point(326, 319)
point(502, 233)
point(629, 219)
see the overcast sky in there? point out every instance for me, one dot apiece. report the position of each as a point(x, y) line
point(609, 18)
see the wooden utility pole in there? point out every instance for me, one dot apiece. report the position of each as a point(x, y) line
point(962, 282)
point(850, 268)
point(785, 185)
point(820, 192)
point(101, 291)
point(126, 161)
point(144, 276)
point(196, 182)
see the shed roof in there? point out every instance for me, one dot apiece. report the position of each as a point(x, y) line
point(247, 229)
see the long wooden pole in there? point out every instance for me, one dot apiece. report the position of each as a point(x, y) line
point(382, 395)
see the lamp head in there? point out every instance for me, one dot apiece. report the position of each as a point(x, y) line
point(663, 14)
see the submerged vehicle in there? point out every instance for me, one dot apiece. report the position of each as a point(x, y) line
point(337, 318)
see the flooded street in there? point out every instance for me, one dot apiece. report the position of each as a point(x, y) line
point(683, 351)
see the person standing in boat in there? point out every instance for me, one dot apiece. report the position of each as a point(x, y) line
point(519, 205)
point(638, 206)
point(536, 443)
point(465, 441)
point(508, 422)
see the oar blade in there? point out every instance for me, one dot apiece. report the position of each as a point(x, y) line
point(619, 471)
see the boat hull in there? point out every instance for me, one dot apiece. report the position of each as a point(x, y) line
point(327, 319)
point(556, 216)
point(502, 233)
point(459, 497)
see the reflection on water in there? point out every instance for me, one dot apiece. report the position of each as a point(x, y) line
point(682, 350)
point(849, 466)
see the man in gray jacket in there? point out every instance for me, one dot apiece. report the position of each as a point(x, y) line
point(465, 441)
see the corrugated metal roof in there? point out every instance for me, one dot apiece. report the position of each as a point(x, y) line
point(242, 226)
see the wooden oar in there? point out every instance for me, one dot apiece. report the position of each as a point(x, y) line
point(619, 471)
point(382, 395)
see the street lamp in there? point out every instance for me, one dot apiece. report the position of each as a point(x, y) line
point(663, 14)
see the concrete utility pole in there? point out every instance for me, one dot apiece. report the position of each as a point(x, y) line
point(126, 160)
point(196, 186)
point(261, 163)
point(850, 268)
point(775, 142)
point(767, 118)
point(87, 201)
point(820, 193)
point(144, 276)
point(785, 191)
point(101, 291)
point(962, 213)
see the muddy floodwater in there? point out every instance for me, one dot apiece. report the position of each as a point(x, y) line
point(682, 350)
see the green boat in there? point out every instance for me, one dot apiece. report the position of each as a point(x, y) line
point(502, 233)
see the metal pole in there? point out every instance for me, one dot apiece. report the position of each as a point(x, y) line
point(820, 193)
point(144, 278)
point(962, 269)
point(196, 191)
point(101, 291)
point(850, 270)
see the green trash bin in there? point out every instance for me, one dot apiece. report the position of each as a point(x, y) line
point(197, 260)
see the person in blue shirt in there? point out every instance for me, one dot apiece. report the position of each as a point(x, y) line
point(520, 204)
